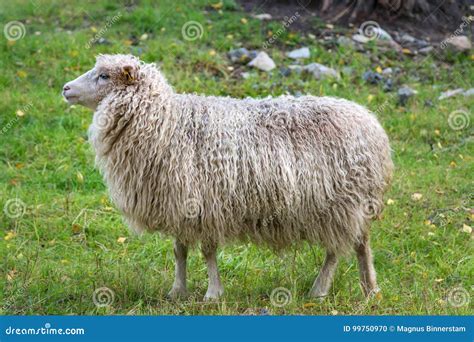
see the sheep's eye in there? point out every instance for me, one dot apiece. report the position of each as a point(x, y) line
point(104, 76)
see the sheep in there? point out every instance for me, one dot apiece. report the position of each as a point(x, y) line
point(213, 170)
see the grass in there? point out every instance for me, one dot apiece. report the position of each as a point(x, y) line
point(66, 244)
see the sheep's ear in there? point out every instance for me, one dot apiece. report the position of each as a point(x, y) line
point(130, 74)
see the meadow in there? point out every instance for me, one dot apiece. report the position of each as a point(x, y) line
point(62, 239)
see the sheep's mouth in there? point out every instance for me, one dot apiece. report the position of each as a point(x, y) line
point(70, 98)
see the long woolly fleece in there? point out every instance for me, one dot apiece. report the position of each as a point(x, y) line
point(210, 169)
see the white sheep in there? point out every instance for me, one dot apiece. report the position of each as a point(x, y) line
point(211, 170)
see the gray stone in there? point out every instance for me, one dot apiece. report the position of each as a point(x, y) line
point(388, 85)
point(425, 50)
point(372, 77)
point(458, 43)
point(406, 39)
point(263, 16)
point(320, 71)
point(359, 38)
point(344, 41)
point(263, 62)
point(404, 93)
point(295, 68)
point(450, 93)
point(241, 55)
point(299, 53)
point(469, 92)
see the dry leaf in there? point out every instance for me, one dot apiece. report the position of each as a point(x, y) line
point(10, 235)
point(11, 274)
point(20, 113)
point(416, 196)
point(80, 177)
point(217, 5)
point(76, 229)
point(21, 74)
point(121, 239)
point(390, 201)
point(309, 305)
point(466, 229)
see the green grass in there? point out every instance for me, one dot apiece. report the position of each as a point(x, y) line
point(65, 244)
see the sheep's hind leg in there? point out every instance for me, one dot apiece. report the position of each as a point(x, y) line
point(215, 289)
point(179, 284)
point(323, 282)
point(366, 267)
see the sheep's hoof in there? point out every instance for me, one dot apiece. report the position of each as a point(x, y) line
point(177, 292)
point(318, 296)
point(373, 293)
point(213, 295)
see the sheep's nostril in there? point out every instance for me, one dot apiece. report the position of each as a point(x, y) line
point(66, 88)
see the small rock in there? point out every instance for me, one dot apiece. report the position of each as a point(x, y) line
point(263, 62)
point(388, 85)
point(450, 93)
point(469, 92)
point(416, 196)
point(359, 38)
point(320, 71)
point(344, 41)
point(299, 53)
point(284, 71)
point(387, 71)
point(458, 43)
point(428, 103)
point(466, 229)
point(263, 16)
point(406, 39)
point(372, 77)
point(245, 75)
point(295, 68)
point(425, 50)
point(103, 41)
point(404, 93)
point(241, 55)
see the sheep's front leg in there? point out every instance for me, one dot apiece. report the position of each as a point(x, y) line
point(179, 284)
point(215, 289)
point(323, 282)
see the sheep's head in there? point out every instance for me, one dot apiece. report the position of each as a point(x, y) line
point(109, 73)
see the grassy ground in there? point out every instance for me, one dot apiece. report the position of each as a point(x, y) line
point(69, 240)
